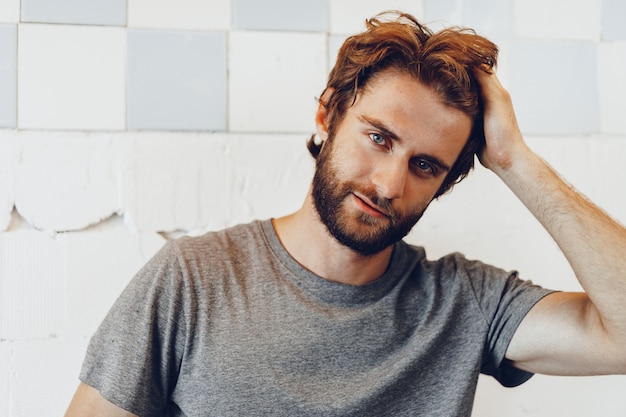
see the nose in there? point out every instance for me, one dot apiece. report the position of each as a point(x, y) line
point(390, 178)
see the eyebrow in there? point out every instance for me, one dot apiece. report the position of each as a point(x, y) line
point(379, 125)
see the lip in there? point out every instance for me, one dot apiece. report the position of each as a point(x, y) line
point(366, 205)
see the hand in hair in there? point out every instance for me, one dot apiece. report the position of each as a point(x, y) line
point(503, 137)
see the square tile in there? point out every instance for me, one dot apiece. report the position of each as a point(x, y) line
point(335, 42)
point(348, 16)
point(554, 87)
point(71, 77)
point(296, 15)
point(558, 19)
point(440, 14)
point(87, 12)
point(492, 19)
point(176, 80)
point(613, 14)
point(8, 77)
point(9, 11)
point(274, 80)
point(612, 85)
point(180, 14)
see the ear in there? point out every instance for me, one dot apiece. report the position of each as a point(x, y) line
point(321, 115)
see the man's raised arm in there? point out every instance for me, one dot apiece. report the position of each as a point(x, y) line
point(565, 333)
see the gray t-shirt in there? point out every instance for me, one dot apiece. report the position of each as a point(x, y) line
point(228, 324)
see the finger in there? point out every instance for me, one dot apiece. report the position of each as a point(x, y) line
point(489, 82)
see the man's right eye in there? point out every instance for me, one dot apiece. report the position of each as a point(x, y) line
point(377, 138)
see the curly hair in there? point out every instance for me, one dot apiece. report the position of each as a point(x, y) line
point(445, 61)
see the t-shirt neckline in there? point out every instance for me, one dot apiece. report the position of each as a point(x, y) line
point(332, 291)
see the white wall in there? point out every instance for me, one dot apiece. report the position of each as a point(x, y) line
point(124, 124)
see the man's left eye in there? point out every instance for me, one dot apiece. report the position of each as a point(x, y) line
point(425, 166)
point(377, 138)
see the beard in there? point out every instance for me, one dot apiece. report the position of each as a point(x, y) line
point(370, 235)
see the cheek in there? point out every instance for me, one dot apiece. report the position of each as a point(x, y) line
point(420, 193)
point(351, 163)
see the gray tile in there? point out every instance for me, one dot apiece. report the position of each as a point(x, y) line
point(176, 80)
point(444, 12)
point(493, 19)
point(613, 16)
point(92, 12)
point(554, 87)
point(8, 80)
point(297, 15)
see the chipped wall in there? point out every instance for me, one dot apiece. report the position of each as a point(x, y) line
point(126, 123)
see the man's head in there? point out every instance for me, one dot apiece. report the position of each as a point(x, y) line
point(444, 61)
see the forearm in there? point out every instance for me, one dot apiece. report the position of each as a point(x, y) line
point(593, 243)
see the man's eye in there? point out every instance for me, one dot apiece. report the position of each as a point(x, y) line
point(425, 166)
point(377, 138)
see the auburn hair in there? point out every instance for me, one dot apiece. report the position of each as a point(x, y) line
point(445, 61)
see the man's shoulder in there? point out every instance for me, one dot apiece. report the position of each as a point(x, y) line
point(231, 242)
point(235, 234)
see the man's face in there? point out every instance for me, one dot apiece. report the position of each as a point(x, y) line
point(391, 152)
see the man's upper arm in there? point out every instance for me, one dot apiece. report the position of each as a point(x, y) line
point(563, 335)
point(87, 401)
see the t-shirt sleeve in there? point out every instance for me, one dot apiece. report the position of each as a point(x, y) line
point(134, 357)
point(504, 299)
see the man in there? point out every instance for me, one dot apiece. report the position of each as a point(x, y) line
point(326, 312)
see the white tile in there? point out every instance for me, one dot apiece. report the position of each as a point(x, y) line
point(8, 158)
point(44, 375)
point(348, 16)
point(5, 358)
point(67, 180)
point(558, 19)
point(612, 87)
point(274, 80)
point(271, 173)
point(176, 181)
point(9, 11)
point(99, 265)
point(71, 77)
point(335, 43)
point(33, 282)
point(179, 14)
point(8, 75)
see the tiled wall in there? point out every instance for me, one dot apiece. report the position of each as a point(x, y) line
point(127, 122)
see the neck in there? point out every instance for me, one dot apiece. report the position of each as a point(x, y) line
point(308, 241)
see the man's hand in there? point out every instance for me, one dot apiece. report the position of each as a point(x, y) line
point(502, 134)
